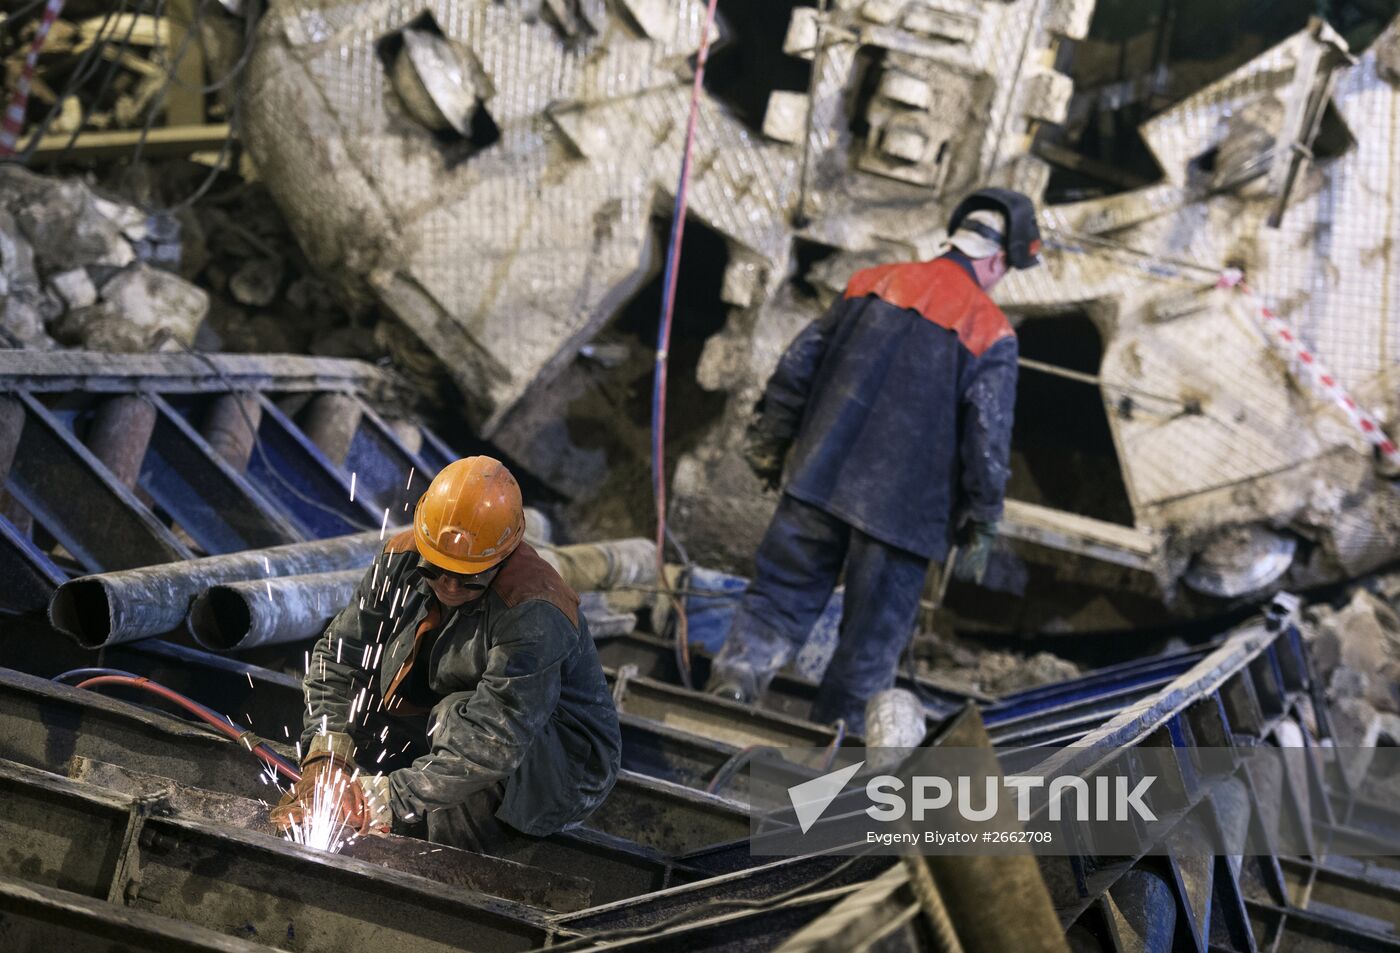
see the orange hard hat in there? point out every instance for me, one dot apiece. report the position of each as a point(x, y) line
point(471, 518)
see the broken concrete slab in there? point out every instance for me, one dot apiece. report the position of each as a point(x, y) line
point(138, 305)
point(75, 288)
point(1357, 650)
point(62, 219)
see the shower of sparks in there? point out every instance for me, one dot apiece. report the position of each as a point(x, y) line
point(409, 484)
point(250, 679)
point(384, 525)
point(322, 822)
point(352, 485)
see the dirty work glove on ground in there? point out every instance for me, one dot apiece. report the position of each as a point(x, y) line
point(765, 453)
point(974, 550)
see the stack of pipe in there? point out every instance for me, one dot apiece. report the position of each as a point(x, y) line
point(283, 594)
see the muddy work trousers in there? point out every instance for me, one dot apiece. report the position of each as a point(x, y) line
point(798, 564)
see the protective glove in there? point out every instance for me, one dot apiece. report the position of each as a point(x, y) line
point(974, 550)
point(765, 451)
point(362, 801)
point(331, 777)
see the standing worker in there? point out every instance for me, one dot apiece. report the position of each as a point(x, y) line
point(899, 401)
point(459, 688)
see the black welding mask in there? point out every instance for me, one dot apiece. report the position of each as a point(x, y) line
point(1022, 241)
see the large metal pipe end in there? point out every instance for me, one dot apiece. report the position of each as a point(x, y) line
point(253, 612)
point(220, 619)
point(81, 610)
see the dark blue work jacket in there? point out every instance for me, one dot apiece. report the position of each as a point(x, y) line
point(901, 401)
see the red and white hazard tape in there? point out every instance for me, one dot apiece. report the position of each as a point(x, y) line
point(13, 121)
point(1321, 378)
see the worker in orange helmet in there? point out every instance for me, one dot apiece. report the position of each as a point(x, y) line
point(459, 696)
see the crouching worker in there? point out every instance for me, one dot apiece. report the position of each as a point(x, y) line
point(458, 696)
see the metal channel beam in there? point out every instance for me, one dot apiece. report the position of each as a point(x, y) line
point(73, 496)
point(387, 471)
point(46, 725)
point(101, 372)
point(1143, 673)
point(717, 718)
point(291, 469)
point(752, 884)
point(787, 695)
point(669, 818)
point(726, 931)
point(435, 452)
point(210, 500)
point(493, 876)
point(30, 575)
point(1290, 929)
point(45, 918)
point(269, 701)
point(257, 886)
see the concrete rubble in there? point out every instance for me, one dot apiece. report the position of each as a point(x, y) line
point(556, 206)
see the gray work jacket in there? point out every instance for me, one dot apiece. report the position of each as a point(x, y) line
point(520, 695)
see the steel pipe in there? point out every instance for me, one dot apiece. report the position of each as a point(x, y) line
point(236, 615)
point(230, 427)
point(610, 564)
point(121, 434)
point(114, 607)
point(240, 615)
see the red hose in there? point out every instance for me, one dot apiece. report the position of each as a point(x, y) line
point(196, 709)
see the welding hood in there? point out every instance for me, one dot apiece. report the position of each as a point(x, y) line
point(1022, 241)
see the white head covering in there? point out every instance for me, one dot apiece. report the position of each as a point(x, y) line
point(974, 244)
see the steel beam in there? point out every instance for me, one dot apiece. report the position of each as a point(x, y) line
point(313, 492)
point(712, 717)
point(74, 497)
point(45, 918)
point(388, 472)
point(244, 884)
point(208, 497)
point(102, 372)
point(30, 576)
point(493, 876)
point(787, 694)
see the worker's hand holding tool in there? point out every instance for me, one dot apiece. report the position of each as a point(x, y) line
point(974, 551)
point(331, 783)
point(765, 453)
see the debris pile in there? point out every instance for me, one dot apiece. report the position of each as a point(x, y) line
point(82, 270)
point(1357, 651)
point(963, 665)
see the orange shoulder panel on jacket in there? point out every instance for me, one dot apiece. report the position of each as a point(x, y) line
point(525, 576)
point(401, 543)
point(943, 293)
